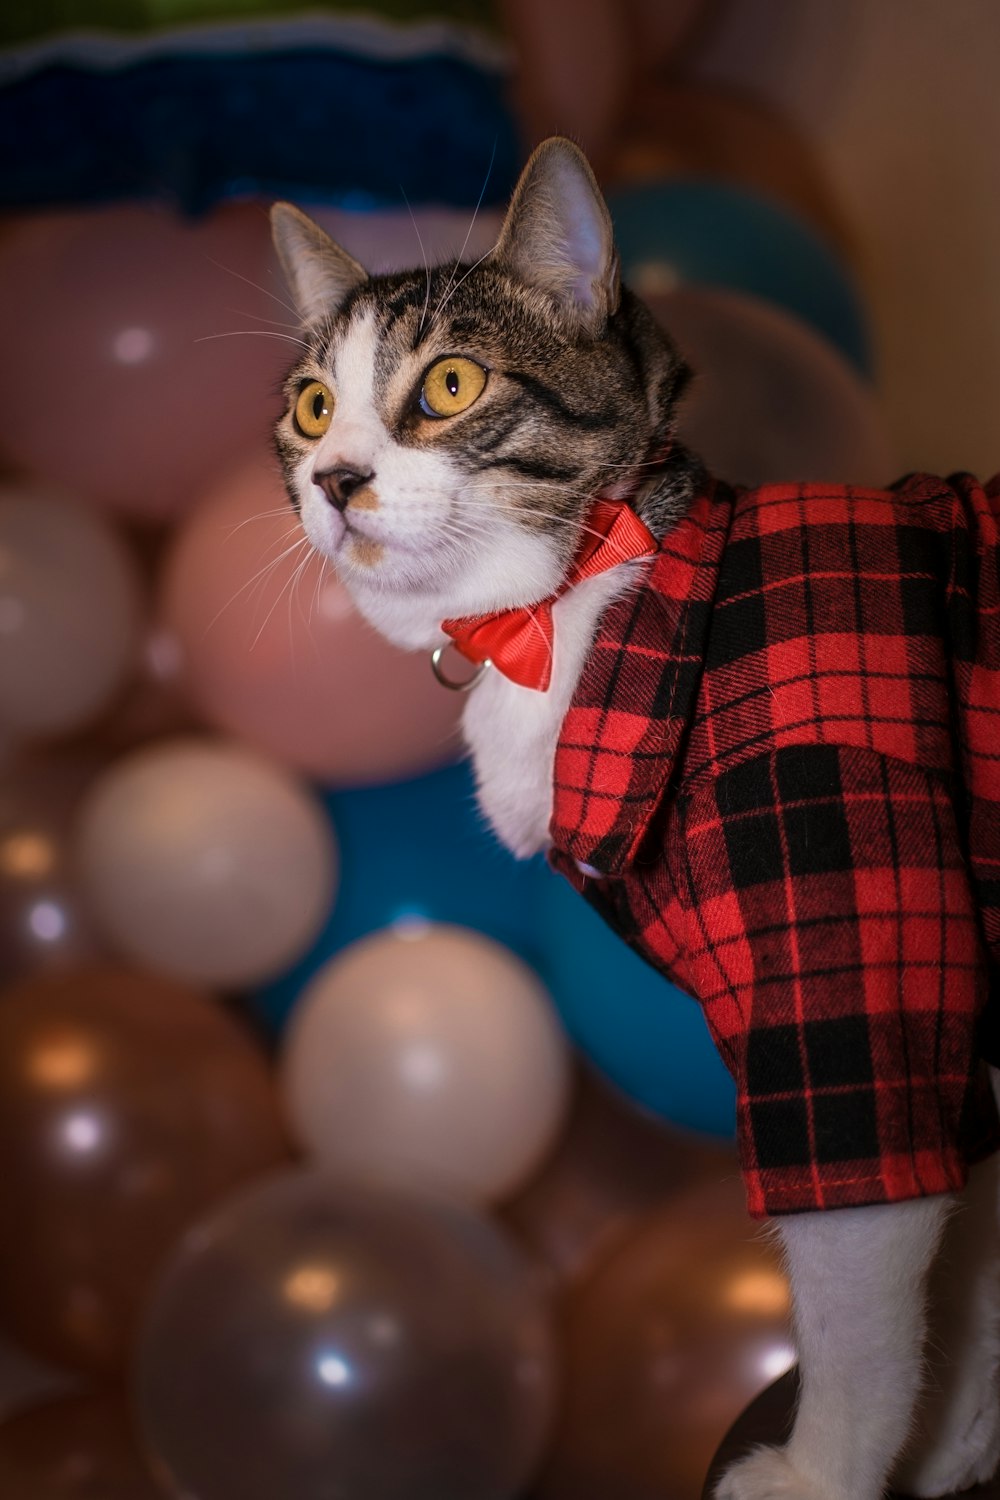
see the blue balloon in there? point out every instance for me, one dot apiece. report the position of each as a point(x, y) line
point(717, 235)
point(638, 1029)
point(416, 850)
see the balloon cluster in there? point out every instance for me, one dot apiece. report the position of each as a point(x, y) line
point(298, 1158)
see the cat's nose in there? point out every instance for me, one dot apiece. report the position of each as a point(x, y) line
point(338, 485)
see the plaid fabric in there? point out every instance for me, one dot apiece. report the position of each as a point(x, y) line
point(781, 775)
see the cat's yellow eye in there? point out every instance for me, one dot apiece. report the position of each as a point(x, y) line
point(450, 386)
point(313, 409)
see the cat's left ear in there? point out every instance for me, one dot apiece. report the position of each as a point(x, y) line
point(558, 237)
point(320, 275)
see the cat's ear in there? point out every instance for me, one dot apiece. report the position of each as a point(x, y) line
point(320, 275)
point(558, 237)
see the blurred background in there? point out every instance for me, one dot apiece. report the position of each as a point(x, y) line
point(341, 1154)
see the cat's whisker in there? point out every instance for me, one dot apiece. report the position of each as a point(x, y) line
point(257, 288)
point(244, 312)
point(261, 333)
point(263, 515)
point(286, 586)
point(482, 194)
point(259, 575)
point(423, 256)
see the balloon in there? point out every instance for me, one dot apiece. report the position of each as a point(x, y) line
point(612, 1166)
point(128, 1106)
point(316, 1338)
point(44, 921)
point(664, 1345)
point(416, 849)
point(578, 63)
point(771, 400)
point(695, 129)
point(646, 1036)
point(77, 1448)
point(125, 391)
point(204, 860)
point(69, 613)
point(276, 653)
point(710, 234)
point(427, 1055)
point(397, 240)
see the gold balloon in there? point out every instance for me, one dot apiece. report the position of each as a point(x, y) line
point(128, 1106)
point(612, 1167)
point(664, 1345)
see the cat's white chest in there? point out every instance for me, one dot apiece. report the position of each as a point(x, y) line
point(513, 731)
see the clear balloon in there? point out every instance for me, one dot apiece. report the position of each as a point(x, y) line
point(77, 1448)
point(664, 1345)
point(275, 651)
point(428, 1055)
point(44, 919)
point(69, 614)
point(129, 1106)
point(316, 1338)
point(771, 400)
point(157, 358)
point(204, 860)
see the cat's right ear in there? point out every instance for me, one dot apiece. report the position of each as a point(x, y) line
point(320, 275)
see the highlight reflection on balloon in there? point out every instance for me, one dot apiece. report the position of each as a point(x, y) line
point(316, 1337)
point(205, 860)
point(128, 1106)
point(771, 400)
point(664, 1345)
point(76, 1448)
point(44, 920)
point(69, 613)
point(276, 653)
point(124, 390)
point(428, 1055)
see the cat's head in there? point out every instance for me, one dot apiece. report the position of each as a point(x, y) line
point(447, 430)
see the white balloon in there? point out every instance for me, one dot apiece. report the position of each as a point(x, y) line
point(206, 861)
point(427, 1054)
point(69, 613)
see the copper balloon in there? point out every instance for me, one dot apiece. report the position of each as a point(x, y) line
point(318, 1338)
point(128, 1106)
point(44, 920)
point(613, 1166)
point(665, 1345)
point(76, 1448)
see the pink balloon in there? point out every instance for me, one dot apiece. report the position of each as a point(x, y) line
point(275, 652)
point(112, 380)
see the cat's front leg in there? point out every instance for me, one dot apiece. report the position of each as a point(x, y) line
point(858, 1282)
point(956, 1431)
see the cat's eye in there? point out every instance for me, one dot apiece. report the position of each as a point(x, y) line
point(450, 386)
point(313, 409)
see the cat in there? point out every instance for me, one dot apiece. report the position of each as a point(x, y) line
point(451, 438)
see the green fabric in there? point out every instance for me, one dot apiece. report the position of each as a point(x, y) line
point(33, 20)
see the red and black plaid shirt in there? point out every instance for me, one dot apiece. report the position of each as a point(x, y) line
point(783, 757)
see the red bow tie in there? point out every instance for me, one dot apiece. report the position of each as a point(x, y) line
point(519, 641)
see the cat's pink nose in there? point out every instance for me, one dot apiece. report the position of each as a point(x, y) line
point(338, 485)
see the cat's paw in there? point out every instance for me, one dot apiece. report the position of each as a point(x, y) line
point(966, 1456)
point(768, 1474)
